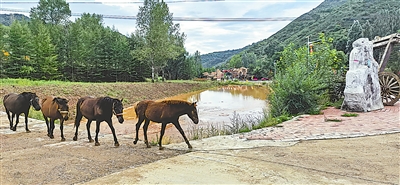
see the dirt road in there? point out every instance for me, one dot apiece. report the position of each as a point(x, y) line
point(33, 158)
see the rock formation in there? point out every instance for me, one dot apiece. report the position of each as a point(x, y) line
point(362, 92)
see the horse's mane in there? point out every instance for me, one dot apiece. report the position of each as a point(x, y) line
point(105, 100)
point(175, 102)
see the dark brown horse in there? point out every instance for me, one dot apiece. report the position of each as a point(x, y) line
point(99, 109)
point(55, 108)
point(164, 112)
point(20, 103)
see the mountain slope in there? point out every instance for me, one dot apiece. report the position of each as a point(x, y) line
point(7, 19)
point(334, 18)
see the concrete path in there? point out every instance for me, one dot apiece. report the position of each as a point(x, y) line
point(229, 159)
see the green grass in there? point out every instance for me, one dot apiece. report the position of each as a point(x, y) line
point(349, 115)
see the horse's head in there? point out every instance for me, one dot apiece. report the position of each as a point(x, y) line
point(62, 108)
point(33, 99)
point(193, 113)
point(118, 109)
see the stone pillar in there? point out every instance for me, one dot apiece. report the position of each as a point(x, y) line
point(362, 92)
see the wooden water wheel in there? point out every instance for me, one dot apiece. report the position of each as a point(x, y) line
point(389, 82)
point(390, 87)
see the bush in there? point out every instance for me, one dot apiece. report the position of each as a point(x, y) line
point(304, 79)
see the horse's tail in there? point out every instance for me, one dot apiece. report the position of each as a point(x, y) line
point(135, 106)
point(78, 116)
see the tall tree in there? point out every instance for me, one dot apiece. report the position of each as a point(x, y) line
point(51, 12)
point(4, 48)
point(355, 32)
point(161, 40)
point(20, 64)
point(44, 53)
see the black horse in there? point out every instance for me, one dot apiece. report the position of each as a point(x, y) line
point(20, 103)
point(99, 109)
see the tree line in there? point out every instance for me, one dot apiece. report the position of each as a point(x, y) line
point(51, 47)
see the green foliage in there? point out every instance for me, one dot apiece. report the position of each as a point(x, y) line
point(51, 11)
point(302, 80)
point(349, 115)
point(160, 39)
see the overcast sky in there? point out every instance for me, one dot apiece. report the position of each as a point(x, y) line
point(204, 36)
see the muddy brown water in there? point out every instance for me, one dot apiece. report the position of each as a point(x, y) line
point(216, 108)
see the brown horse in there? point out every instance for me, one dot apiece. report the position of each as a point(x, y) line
point(20, 103)
point(99, 109)
point(55, 108)
point(164, 112)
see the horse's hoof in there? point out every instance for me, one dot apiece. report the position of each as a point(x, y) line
point(134, 142)
point(116, 144)
point(190, 147)
point(97, 144)
point(75, 138)
point(148, 146)
point(51, 137)
point(91, 141)
point(14, 129)
point(62, 139)
point(161, 148)
point(28, 131)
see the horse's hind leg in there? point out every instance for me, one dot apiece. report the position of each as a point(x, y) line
point(163, 126)
point(145, 126)
point(78, 119)
point(140, 120)
point(62, 129)
point(10, 119)
point(178, 126)
point(14, 128)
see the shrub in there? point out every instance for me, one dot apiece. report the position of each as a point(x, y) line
point(303, 80)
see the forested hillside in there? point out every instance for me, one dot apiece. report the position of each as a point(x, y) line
point(49, 46)
point(217, 58)
point(342, 20)
point(7, 19)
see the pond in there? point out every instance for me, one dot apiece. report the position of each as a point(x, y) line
point(217, 106)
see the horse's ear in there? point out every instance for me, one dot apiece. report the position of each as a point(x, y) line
point(194, 104)
point(122, 99)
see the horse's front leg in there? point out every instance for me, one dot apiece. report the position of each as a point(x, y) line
point(113, 132)
point(140, 120)
point(89, 122)
point(51, 128)
point(163, 126)
point(178, 126)
point(62, 129)
point(96, 143)
point(47, 125)
point(26, 122)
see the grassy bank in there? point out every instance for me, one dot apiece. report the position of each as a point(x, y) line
point(130, 92)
